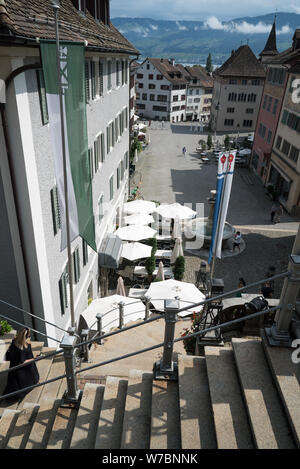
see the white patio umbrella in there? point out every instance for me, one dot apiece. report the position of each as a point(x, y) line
point(175, 210)
point(134, 251)
point(120, 287)
point(246, 151)
point(177, 250)
point(138, 219)
point(187, 293)
point(135, 232)
point(160, 273)
point(139, 206)
point(108, 308)
point(177, 228)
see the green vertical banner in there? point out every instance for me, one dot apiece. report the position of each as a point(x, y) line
point(80, 197)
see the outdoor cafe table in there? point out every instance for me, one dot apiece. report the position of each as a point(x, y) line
point(141, 270)
point(163, 253)
point(137, 292)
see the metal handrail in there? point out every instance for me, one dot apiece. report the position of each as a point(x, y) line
point(31, 328)
point(33, 360)
point(153, 347)
point(30, 314)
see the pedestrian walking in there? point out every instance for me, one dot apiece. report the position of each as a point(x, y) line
point(273, 212)
point(278, 214)
point(267, 290)
point(184, 151)
point(237, 241)
point(241, 284)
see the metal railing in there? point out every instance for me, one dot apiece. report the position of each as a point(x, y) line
point(166, 368)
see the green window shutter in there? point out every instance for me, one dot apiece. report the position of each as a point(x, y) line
point(90, 152)
point(42, 96)
point(76, 265)
point(102, 146)
point(118, 177)
point(100, 78)
point(93, 79)
point(63, 293)
point(85, 254)
point(87, 81)
point(96, 155)
point(55, 210)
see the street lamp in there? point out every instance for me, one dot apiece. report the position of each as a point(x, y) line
point(56, 7)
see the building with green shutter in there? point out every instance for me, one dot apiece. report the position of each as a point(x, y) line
point(34, 270)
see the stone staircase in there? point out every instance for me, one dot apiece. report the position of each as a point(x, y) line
point(243, 395)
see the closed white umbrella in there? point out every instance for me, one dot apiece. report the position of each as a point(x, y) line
point(175, 210)
point(160, 273)
point(108, 308)
point(187, 293)
point(177, 250)
point(139, 219)
point(134, 251)
point(120, 287)
point(135, 232)
point(139, 206)
point(177, 228)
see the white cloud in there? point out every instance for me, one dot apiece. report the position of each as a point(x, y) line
point(182, 28)
point(244, 27)
point(152, 26)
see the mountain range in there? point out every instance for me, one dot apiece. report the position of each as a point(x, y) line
point(190, 42)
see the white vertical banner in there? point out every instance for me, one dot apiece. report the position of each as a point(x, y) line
point(229, 165)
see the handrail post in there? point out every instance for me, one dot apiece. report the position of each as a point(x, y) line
point(147, 307)
point(121, 314)
point(84, 348)
point(71, 396)
point(99, 328)
point(166, 369)
point(279, 334)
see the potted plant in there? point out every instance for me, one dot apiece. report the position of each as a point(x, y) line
point(179, 268)
point(5, 327)
point(150, 267)
point(209, 141)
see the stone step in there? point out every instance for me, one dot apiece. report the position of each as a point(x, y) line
point(7, 424)
point(3, 378)
point(5, 341)
point(230, 417)
point(196, 419)
point(22, 428)
point(62, 429)
point(269, 424)
point(165, 416)
point(286, 375)
point(42, 426)
point(86, 425)
point(137, 417)
point(36, 348)
point(109, 434)
point(43, 367)
point(53, 390)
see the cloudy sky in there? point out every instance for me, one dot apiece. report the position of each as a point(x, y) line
point(199, 9)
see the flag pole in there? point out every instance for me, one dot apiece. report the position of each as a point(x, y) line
point(56, 7)
point(212, 270)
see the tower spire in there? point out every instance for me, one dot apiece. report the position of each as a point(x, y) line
point(271, 44)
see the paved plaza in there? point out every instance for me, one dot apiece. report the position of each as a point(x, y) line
point(167, 176)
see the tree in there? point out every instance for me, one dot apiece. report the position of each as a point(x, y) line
point(209, 66)
point(227, 142)
point(136, 145)
point(209, 141)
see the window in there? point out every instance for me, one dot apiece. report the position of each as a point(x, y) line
point(275, 107)
point(76, 265)
point(262, 130)
point(164, 87)
point(140, 75)
point(159, 77)
point(269, 103)
point(249, 110)
point(42, 96)
point(140, 106)
point(294, 154)
point(87, 81)
point(230, 110)
point(150, 76)
point(102, 148)
point(255, 160)
point(55, 210)
point(284, 117)
point(232, 97)
point(269, 137)
point(252, 98)
point(124, 72)
point(117, 73)
point(229, 122)
point(278, 143)
point(244, 82)
point(286, 147)
point(108, 140)
point(62, 285)
point(101, 209)
point(232, 82)
point(111, 188)
point(162, 97)
point(175, 98)
point(97, 153)
point(242, 97)
point(247, 123)
point(144, 96)
point(151, 86)
point(141, 85)
point(85, 252)
point(91, 163)
point(160, 108)
point(255, 82)
point(152, 97)
point(100, 79)
point(148, 66)
point(265, 101)
point(109, 84)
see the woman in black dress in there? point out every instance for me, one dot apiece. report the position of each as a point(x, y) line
point(20, 352)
